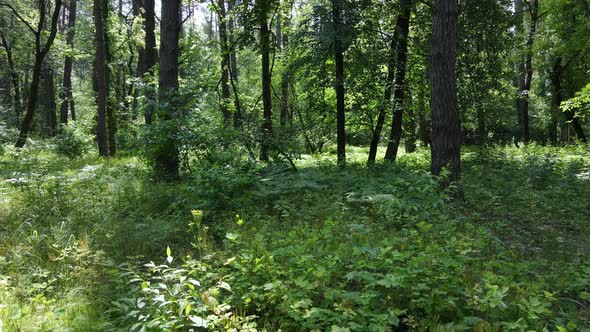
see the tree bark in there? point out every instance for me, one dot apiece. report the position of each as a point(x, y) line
point(556, 99)
point(386, 101)
point(526, 72)
point(339, 82)
point(166, 154)
point(446, 126)
point(65, 93)
point(148, 55)
point(225, 63)
point(49, 103)
point(403, 25)
point(283, 41)
point(14, 80)
point(40, 53)
point(266, 127)
point(101, 83)
point(234, 65)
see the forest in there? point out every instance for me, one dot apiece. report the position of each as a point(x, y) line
point(294, 165)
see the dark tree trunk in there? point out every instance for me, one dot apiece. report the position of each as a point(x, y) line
point(386, 100)
point(339, 82)
point(14, 80)
point(234, 66)
point(410, 132)
point(424, 130)
point(283, 41)
point(266, 127)
point(446, 126)
point(101, 84)
point(578, 129)
point(225, 63)
point(556, 98)
point(526, 72)
point(49, 103)
point(40, 53)
point(148, 56)
point(403, 26)
point(65, 93)
point(166, 155)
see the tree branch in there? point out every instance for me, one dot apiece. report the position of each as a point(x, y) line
point(19, 17)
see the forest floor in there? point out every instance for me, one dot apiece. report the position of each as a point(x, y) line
point(237, 244)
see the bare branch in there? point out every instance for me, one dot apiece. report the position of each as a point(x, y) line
point(19, 17)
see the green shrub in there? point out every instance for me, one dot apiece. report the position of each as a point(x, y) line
point(71, 141)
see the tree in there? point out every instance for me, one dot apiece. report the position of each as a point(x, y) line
point(148, 54)
point(525, 68)
point(402, 30)
point(49, 102)
point(166, 150)
point(225, 63)
point(101, 77)
point(65, 93)
point(339, 82)
point(14, 79)
point(446, 127)
point(263, 8)
point(41, 50)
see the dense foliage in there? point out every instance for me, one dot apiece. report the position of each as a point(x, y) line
point(287, 165)
point(87, 245)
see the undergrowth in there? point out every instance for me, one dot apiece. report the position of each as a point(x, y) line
point(88, 244)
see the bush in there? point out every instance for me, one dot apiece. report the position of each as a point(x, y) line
point(72, 141)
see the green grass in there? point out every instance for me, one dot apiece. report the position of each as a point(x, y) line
point(327, 248)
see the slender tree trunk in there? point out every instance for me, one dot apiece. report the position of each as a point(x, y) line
point(147, 55)
point(526, 71)
point(410, 132)
point(234, 65)
point(403, 25)
point(49, 103)
point(101, 84)
point(225, 63)
point(446, 126)
point(110, 108)
point(556, 98)
point(166, 155)
point(284, 44)
point(386, 100)
point(266, 127)
point(424, 130)
point(65, 93)
point(40, 53)
point(339, 83)
point(14, 80)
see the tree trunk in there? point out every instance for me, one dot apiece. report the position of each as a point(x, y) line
point(65, 93)
point(526, 72)
point(101, 84)
point(14, 80)
point(403, 25)
point(49, 103)
point(234, 66)
point(556, 98)
point(225, 63)
point(446, 126)
point(40, 53)
point(166, 155)
point(266, 127)
point(148, 55)
point(283, 41)
point(410, 132)
point(386, 100)
point(339, 83)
